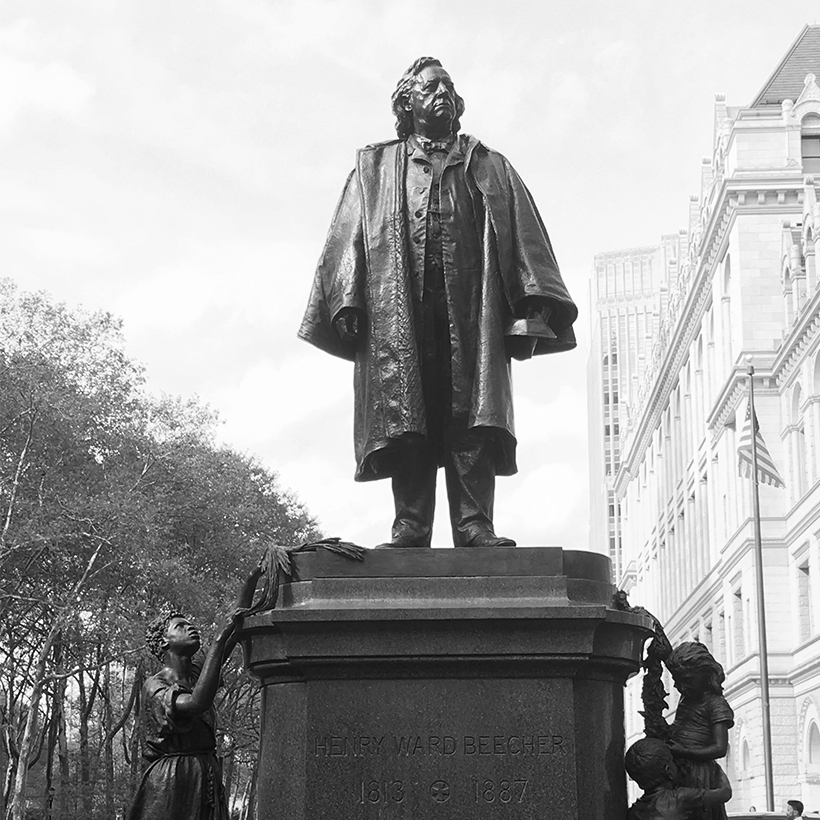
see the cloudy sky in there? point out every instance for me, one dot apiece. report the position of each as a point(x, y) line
point(177, 163)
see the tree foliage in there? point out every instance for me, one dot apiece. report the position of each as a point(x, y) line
point(112, 501)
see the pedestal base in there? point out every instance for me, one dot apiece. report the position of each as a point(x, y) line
point(449, 684)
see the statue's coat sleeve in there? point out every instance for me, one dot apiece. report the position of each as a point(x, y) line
point(526, 260)
point(340, 276)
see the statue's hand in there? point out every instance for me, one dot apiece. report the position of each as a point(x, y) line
point(348, 325)
point(532, 307)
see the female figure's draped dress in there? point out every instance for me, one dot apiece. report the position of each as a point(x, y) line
point(184, 777)
point(694, 719)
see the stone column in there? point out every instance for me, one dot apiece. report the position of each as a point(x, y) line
point(726, 335)
point(472, 683)
point(814, 415)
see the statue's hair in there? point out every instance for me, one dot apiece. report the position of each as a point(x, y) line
point(646, 762)
point(156, 629)
point(693, 656)
point(404, 118)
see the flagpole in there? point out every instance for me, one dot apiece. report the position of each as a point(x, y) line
point(761, 607)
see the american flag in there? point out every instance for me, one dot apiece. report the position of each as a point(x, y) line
point(766, 471)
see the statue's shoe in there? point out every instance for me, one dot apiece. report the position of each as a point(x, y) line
point(489, 539)
point(404, 541)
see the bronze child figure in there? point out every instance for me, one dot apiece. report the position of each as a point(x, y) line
point(650, 764)
point(700, 732)
point(437, 270)
point(183, 780)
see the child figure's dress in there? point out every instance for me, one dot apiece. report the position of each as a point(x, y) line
point(184, 777)
point(692, 728)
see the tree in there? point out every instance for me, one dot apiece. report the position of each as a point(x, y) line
point(111, 502)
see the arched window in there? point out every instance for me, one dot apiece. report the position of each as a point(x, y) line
point(798, 448)
point(810, 143)
point(746, 759)
point(816, 380)
point(788, 292)
point(797, 398)
point(813, 750)
point(726, 314)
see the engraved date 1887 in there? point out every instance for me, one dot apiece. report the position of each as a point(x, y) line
point(499, 791)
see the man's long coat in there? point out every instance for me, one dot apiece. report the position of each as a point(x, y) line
point(365, 266)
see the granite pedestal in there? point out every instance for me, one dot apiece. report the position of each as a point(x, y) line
point(449, 684)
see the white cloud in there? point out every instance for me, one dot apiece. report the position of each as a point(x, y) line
point(567, 102)
point(359, 512)
point(62, 246)
point(273, 397)
point(54, 88)
point(245, 281)
point(562, 414)
point(544, 507)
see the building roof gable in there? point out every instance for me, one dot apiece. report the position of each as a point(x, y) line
point(787, 80)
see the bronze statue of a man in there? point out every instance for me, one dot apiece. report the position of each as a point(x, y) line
point(436, 271)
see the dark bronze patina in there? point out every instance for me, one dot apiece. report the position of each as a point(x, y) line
point(436, 272)
point(183, 778)
point(677, 765)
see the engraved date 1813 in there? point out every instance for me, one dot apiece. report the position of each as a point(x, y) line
point(387, 792)
point(380, 792)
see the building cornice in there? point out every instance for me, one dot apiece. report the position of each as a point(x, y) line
point(766, 193)
point(735, 388)
point(667, 372)
point(624, 252)
point(802, 335)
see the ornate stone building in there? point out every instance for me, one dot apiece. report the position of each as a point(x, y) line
point(628, 295)
point(743, 288)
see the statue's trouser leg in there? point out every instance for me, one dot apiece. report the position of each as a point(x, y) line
point(469, 469)
point(414, 495)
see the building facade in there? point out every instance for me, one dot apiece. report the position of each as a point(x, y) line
point(744, 289)
point(628, 294)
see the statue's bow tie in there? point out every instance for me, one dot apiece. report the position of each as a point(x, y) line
point(429, 146)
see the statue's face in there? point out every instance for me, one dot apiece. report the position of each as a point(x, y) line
point(433, 102)
point(182, 637)
point(690, 682)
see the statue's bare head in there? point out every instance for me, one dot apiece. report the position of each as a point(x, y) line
point(695, 670)
point(425, 101)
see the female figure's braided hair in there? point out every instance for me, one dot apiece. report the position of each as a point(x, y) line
point(156, 629)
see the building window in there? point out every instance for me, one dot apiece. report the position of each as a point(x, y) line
point(804, 608)
point(708, 639)
point(738, 632)
point(612, 511)
point(607, 430)
point(813, 756)
point(810, 146)
point(720, 646)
